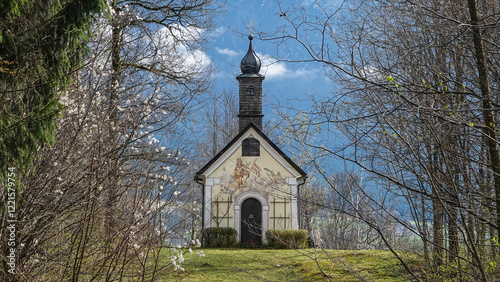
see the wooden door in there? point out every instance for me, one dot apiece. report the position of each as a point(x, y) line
point(251, 221)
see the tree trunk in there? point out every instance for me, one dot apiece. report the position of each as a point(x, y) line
point(437, 229)
point(113, 120)
point(488, 117)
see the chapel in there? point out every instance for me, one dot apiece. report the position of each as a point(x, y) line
point(251, 185)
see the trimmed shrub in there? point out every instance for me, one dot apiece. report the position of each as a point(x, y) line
point(287, 238)
point(219, 237)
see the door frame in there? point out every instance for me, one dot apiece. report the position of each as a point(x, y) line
point(237, 213)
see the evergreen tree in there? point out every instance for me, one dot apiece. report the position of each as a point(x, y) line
point(41, 42)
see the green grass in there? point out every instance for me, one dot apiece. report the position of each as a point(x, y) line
point(287, 265)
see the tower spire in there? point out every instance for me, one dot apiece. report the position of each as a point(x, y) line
point(251, 62)
point(250, 89)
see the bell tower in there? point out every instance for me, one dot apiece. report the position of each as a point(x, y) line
point(250, 89)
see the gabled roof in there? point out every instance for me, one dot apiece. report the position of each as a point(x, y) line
point(235, 139)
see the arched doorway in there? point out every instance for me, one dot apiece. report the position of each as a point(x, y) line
point(251, 222)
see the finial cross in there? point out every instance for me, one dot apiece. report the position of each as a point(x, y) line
point(251, 26)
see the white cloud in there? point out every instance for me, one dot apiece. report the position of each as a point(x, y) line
point(197, 58)
point(306, 72)
point(371, 73)
point(176, 51)
point(227, 52)
point(218, 31)
point(274, 69)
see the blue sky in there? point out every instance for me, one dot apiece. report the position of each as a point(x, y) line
point(283, 80)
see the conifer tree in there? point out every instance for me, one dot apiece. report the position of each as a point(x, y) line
point(41, 42)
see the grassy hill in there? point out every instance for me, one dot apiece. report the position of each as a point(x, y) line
point(288, 265)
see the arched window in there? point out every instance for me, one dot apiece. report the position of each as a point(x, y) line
point(250, 147)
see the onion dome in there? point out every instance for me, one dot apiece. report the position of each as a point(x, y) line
point(250, 64)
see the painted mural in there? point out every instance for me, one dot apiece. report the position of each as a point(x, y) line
point(245, 175)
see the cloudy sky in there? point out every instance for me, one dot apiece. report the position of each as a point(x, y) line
point(230, 43)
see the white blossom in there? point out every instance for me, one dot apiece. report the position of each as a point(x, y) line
point(181, 258)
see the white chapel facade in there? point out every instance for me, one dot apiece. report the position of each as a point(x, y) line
point(251, 185)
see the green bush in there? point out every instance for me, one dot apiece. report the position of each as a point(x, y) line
point(287, 238)
point(219, 237)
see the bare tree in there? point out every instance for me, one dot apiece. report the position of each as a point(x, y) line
point(107, 195)
point(413, 107)
point(220, 116)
